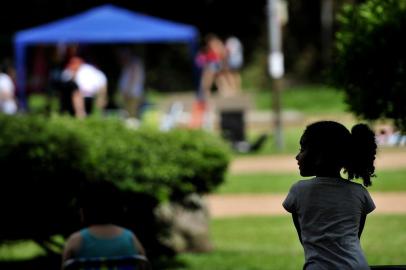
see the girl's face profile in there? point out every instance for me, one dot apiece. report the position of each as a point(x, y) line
point(306, 159)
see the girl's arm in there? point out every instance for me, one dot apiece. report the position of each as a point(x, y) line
point(361, 225)
point(297, 226)
point(71, 246)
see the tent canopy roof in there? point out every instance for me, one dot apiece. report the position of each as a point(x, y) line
point(104, 24)
point(108, 24)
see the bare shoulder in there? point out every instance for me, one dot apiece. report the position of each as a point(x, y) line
point(72, 245)
point(74, 237)
point(138, 245)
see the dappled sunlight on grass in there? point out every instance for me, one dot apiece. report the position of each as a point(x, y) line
point(20, 250)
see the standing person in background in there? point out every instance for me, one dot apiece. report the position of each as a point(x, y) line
point(211, 60)
point(329, 211)
point(131, 83)
point(8, 104)
point(235, 60)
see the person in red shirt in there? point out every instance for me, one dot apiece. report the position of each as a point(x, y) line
point(212, 62)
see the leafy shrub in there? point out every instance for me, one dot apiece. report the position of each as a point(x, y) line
point(371, 59)
point(44, 160)
point(40, 167)
point(164, 165)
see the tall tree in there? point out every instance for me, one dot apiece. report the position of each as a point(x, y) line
point(371, 59)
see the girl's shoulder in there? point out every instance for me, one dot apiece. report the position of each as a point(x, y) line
point(316, 181)
point(305, 182)
point(302, 184)
point(353, 185)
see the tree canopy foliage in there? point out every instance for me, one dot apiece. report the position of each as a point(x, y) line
point(370, 62)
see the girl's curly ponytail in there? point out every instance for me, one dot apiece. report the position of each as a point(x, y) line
point(362, 154)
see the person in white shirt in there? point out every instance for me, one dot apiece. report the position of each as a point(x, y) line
point(7, 101)
point(131, 83)
point(92, 85)
point(235, 60)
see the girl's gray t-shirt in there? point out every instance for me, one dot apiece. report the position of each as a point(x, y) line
point(329, 211)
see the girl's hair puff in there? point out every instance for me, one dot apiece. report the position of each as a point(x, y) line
point(361, 162)
point(338, 148)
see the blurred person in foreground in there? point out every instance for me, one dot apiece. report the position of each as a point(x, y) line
point(100, 211)
point(329, 211)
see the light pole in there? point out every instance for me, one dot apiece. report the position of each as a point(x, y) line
point(276, 66)
point(327, 20)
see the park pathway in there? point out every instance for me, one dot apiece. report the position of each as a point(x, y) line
point(265, 205)
point(395, 159)
point(271, 204)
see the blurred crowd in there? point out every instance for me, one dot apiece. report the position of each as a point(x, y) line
point(79, 85)
point(387, 135)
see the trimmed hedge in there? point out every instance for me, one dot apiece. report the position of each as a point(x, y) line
point(43, 161)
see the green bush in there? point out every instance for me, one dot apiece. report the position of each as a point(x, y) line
point(371, 59)
point(44, 160)
point(166, 165)
point(40, 167)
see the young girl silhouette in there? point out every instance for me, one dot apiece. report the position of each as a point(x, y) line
point(329, 211)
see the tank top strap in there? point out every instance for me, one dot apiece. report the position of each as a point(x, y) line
point(85, 233)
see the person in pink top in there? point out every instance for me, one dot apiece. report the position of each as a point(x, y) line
point(212, 61)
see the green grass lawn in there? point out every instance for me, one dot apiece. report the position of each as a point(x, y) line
point(258, 243)
point(262, 183)
point(264, 243)
point(292, 133)
point(311, 99)
point(291, 137)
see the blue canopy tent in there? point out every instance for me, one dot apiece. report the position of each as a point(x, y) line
point(105, 24)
